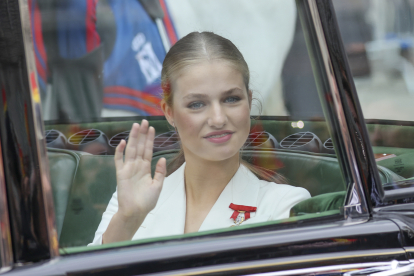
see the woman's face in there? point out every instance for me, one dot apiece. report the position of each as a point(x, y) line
point(211, 110)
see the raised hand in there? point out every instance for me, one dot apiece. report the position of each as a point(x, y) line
point(138, 192)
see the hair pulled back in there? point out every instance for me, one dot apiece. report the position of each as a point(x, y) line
point(195, 48)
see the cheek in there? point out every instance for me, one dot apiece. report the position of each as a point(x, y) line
point(185, 123)
point(242, 119)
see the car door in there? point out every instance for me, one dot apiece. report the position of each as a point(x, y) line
point(59, 174)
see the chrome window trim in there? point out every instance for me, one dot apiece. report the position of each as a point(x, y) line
point(39, 129)
point(6, 249)
point(329, 268)
point(400, 271)
point(355, 203)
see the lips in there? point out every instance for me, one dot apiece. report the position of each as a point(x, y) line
point(218, 134)
point(218, 137)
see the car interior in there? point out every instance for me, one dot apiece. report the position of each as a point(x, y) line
point(83, 173)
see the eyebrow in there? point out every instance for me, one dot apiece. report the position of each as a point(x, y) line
point(195, 95)
point(202, 96)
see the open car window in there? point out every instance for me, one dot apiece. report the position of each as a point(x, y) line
point(378, 38)
point(99, 67)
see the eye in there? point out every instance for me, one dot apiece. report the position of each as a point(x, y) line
point(195, 105)
point(232, 99)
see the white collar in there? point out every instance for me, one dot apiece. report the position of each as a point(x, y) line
point(243, 189)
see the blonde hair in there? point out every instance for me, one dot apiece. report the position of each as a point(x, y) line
point(195, 48)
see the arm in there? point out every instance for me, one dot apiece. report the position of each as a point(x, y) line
point(137, 192)
point(110, 220)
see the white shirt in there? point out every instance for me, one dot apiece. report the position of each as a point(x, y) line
point(273, 202)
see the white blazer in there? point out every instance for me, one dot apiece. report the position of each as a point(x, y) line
point(273, 202)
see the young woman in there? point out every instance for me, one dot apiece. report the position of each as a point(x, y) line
point(205, 82)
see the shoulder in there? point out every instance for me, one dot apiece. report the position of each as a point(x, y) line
point(277, 192)
point(281, 190)
point(272, 189)
point(276, 200)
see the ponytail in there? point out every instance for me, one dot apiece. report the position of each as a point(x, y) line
point(263, 173)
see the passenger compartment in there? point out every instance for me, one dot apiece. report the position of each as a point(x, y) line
point(94, 181)
point(84, 183)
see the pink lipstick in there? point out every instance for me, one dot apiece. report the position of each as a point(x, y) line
point(219, 136)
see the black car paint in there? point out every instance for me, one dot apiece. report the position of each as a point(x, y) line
point(18, 143)
point(403, 216)
point(267, 248)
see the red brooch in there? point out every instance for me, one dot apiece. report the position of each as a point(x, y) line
point(241, 212)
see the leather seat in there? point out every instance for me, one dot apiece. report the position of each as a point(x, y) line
point(92, 188)
point(63, 165)
point(316, 173)
point(95, 182)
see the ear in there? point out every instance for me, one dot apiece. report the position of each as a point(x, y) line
point(250, 95)
point(168, 112)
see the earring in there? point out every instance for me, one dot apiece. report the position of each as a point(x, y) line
point(173, 124)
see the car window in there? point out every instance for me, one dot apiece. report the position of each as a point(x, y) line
point(99, 69)
point(378, 38)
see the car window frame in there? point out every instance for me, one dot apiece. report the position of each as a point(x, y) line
point(24, 177)
point(6, 250)
point(370, 183)
point(39, 129)
point(332, 71)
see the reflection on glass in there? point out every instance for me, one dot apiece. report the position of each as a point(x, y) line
point(298, 124)
point(100, 68)
point(378, 37)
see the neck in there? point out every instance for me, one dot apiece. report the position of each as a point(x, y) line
point(205, 180)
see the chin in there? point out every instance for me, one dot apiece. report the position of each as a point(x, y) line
point(220, 154)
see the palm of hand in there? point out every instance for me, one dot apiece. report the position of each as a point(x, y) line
point(138, 192)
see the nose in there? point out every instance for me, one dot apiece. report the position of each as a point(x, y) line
point(217, 117)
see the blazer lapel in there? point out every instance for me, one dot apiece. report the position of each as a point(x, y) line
point(168, 216)
point(243, 189)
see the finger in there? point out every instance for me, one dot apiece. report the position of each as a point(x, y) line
point(119, 152)
point(149, 144)
point(131, 148)
point(142, 138)
point(160, 171)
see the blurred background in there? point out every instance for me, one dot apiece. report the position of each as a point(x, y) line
point(98, 59)
point(380, 51)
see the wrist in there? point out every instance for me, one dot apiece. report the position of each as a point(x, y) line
point(129, 219)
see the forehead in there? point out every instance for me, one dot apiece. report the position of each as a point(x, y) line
point(209, 77)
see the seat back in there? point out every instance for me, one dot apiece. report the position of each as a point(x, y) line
point(62, 165)
point(92, 188)
point(318, 174)
point(95, 182)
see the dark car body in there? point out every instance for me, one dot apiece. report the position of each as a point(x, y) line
point(373, 229)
